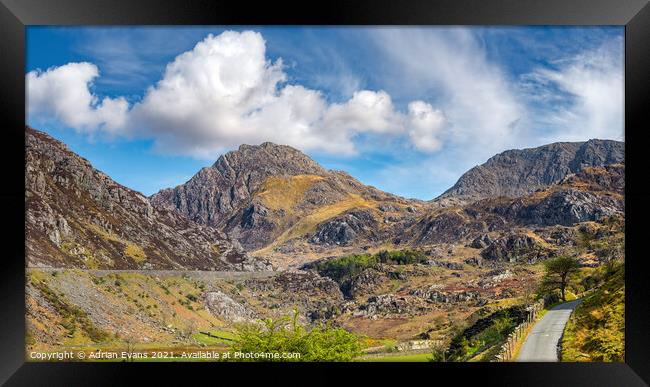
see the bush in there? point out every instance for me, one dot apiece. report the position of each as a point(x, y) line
point(285, 335)
point(344, 268)
point(340, 269)
point(401, 257)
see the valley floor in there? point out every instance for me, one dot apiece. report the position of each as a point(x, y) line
point(161, 311)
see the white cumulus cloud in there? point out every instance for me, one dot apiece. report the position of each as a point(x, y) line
point(63, 93)
point(225, 92)
point(425, 125)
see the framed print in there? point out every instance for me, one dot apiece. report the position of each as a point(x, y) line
point(383, 189)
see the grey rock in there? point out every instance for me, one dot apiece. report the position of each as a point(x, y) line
point(223, 306)
point(346, 228)
point(515, 247)
point(76, 216)
point(517, 172)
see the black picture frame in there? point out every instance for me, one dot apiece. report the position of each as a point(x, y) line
point(15, 15)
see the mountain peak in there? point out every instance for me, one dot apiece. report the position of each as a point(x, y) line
point(268, 158)
point(78, 216)
point(214, 192)
point(517, 172)
point(264, 145)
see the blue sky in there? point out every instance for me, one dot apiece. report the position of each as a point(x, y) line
point(405, 109)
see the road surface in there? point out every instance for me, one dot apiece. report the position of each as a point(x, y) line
point(542, 341)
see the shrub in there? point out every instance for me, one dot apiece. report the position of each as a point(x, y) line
point(286, 335)
point(344, 268)
point(340, 269)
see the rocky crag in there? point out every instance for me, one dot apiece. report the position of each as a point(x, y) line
point(518, 172)
point(270, 194)
point(76, 216)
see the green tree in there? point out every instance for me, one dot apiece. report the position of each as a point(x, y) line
point(558, 273)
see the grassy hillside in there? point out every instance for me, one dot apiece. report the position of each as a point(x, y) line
point(70, 308)
point(596, 330)
point(309, 222)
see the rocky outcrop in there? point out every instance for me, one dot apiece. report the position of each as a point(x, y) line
point(593, 194)
point(446, 264)
point(364, 283)
point(433, 293)
point(518, 172)
point(474, 261)
point(446, 227)
point(494, 277)
point(347, 228)
point(387, 305)
point(76, 216)
point(515, 247)
point(566, 208)
point(482, 241)
point(221, 305)
point(316, 297)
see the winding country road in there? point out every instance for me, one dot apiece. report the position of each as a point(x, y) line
point(542, 341)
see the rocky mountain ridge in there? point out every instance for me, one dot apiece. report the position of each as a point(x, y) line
point(518, 172)
point(278, 202)
point(281, 205)
point(263, 194)
point(76, 216)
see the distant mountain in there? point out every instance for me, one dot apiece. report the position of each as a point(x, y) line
point(518, 172)
point(594, 194)
point(274, 199)
point(76, 216)
point(279, 204)
point(270, 194)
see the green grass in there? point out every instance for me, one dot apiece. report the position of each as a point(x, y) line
point(596, 329)
point(224, 338)
point(135, 252)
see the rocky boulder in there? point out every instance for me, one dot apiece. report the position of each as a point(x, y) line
point(390, 304)
point(316, 297)
point(482, 241)
point(221, 305)
point(364, 283)
point(432, 293)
